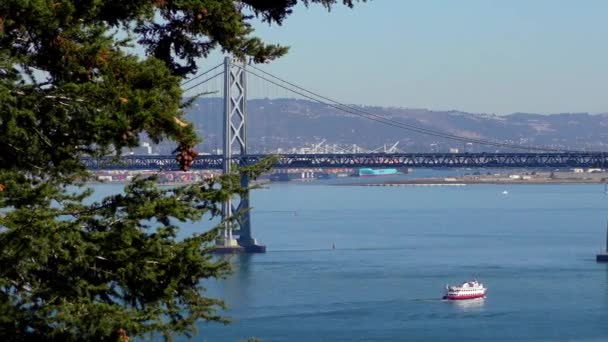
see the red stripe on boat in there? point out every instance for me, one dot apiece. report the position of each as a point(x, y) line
point(479, 295)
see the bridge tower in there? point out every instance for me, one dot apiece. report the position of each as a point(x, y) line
point(235, 143)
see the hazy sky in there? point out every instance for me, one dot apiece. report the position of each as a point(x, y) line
point(484, 56)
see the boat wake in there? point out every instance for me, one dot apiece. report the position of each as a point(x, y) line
point(437, 300)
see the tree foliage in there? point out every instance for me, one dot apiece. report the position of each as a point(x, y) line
point(70, 86)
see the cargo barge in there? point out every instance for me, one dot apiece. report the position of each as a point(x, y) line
point(367, 172)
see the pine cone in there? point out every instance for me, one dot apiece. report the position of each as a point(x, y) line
point(185, 156)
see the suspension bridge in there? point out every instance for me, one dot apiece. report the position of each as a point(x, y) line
point(235, 149)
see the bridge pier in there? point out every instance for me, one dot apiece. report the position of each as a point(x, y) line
point(235, 131)
point(603, 257)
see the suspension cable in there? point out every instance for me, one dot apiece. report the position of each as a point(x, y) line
point(206, 80)
point(202, 74)
point(387, 121)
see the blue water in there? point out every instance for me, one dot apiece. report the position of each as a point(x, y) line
point(397, 247)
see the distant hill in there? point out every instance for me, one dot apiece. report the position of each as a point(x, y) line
point(291, 123)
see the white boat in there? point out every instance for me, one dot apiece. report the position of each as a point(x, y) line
point(505, 192)
point(468, 290)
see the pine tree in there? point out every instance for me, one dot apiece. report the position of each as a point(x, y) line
point(70, 86)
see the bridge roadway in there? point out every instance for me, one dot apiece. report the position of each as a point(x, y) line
point(372, 160)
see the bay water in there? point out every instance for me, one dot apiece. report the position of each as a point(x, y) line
point(356, 263)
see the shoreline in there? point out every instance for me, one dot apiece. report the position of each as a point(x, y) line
point(464, 182)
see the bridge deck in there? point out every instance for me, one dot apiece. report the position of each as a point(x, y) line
point(373, 160)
